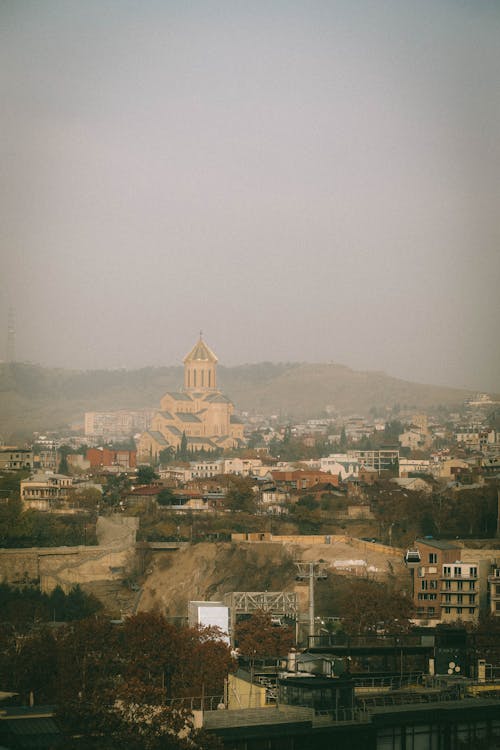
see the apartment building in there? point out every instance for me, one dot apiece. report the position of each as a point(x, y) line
point(464, 590)
point(494, 588)
point(447, 587)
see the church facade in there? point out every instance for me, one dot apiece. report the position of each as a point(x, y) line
point(199, 411)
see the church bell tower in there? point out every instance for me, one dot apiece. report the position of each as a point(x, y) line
point(200, 368)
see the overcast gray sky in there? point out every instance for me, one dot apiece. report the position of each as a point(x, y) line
point(313, 181)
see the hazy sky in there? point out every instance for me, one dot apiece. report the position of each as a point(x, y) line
point(313, 181)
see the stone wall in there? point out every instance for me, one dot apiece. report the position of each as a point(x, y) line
point(113, 559)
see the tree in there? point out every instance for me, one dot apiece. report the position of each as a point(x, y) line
point(117, 486)
point(146, 475)
point(183, 448)
point(343, 438)
point(167, 455)
point(258, 638)
point(240, 495)
point(64, 451)
point(88, 498)
point(365, 603)
point(166, 497)
point(120, 680)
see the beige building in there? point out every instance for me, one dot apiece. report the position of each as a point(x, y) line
point(199, 411)
point(15, 459)
point(46, 491)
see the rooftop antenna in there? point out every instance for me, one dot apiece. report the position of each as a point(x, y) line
point(11, 336)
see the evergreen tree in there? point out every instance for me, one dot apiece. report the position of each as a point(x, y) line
point(183, 451)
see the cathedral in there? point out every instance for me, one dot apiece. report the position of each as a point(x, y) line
point(199, 411)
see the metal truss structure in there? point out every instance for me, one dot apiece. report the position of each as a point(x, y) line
point(279, 603)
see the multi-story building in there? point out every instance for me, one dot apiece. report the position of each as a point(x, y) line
point(447, 588)
point(15, 459)
point(46, 491)
point(426, 568)
point(381, 460)
point(411, 466)
point(464, 590)
point(494, 590)
point(106, 458)
point(116, 424)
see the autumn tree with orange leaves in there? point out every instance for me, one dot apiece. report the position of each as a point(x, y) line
point(259, 638)
point(121, 685)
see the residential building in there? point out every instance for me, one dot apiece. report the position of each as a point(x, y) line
point(383, 460)
point(301, 480)
point(341, 465)
point(494, 590)
point(412, 439)
point(447, 587)
point(15, 459)
point(116, 424)
point(450, 468)
point(200, 412)
point(427, 569)
point(411, 466)
point(45, 491)
point(464, 590)
point(109, 459)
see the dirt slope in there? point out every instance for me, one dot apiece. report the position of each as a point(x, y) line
point(207, 571)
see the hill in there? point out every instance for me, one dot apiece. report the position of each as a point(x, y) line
point(38, 398)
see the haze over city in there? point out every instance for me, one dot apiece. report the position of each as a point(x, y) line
point(303, 181)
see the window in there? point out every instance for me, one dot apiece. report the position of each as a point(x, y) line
point(447, 610)
point(472, 598)
point(457, 571)
point(424, 584)
point(433, 558)
point(447, 584)
point(460, 598)
point(434, 584)
point(472, 585)
point(471, 610)
point(473, 572)
point(446, 570)
point(447, 597)
point(431, 610)
point(459, 610)
point(460, 585)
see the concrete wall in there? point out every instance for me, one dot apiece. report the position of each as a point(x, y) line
point(311, 539)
